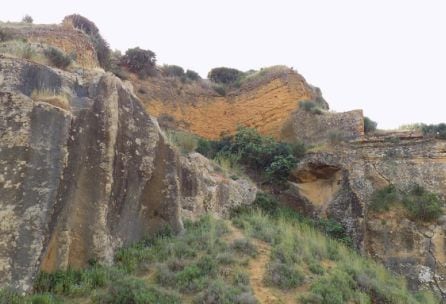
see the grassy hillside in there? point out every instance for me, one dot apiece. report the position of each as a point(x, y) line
point(254, 258)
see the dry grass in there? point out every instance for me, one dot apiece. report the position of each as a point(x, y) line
point(51, 97)
point(21, 49)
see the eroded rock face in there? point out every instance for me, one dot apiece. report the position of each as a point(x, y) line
point(77, 183)
point(313, 128)
point(347, 176)
point(205, 188)
point(264, 104)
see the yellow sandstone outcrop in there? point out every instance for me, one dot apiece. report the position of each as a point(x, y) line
point(203, 112)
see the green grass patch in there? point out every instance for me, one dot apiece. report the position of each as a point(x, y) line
point(298, 255)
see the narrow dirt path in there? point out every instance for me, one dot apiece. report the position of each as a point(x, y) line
point(256, 270)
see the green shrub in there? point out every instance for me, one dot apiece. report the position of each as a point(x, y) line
point(282, 275)
point(334, 288)
point(423, 205)
point(280, 168)
point(192, 75)
point(224, 75)
point(369, 125)
point(57, 58)
point(267, 203)
point(438, 130)
point(139, 61)
point(382, 199)
point(136, 292)
point(311, 106)
point(191, 279)
point(220, 89)
point(186, 142)
point(72, 281)
point(103, 51)
point(262, 155)
point(172, 71)
point(333, 229)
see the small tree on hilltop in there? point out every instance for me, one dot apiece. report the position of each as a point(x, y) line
point(27, 19)
point(225, 75)
point(192, 75)
point(369, 125)
point(172, 70)
point(139, 61)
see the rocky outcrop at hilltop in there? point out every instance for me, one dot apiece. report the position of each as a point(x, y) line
point(80, 180)
point(317, 128)
point(339, 184)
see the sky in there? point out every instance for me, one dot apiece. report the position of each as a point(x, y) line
point(387, 57)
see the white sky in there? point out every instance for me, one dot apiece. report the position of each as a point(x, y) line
point(387, 57)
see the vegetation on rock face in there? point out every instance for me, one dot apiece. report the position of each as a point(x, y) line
point(332, 272)
point(57, 58)
point(139, 61)
point(369, 125)
point(311, 106)
point(421, 204)
point(260, 154)
point(91, 30)
point(269, 205)
point(51, 97)
point(186, 142)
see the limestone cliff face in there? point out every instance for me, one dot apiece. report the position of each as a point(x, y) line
point(79, 182)
point(265, 105)
point(339, 184)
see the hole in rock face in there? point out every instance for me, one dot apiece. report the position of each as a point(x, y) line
point(313, 172)
point(318, 183)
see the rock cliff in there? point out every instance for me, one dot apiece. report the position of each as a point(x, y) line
point(80, 180)
point(317, 128)
point(264, 103)
point(339, 183)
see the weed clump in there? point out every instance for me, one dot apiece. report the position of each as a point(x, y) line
point(421, 204)
point(57, 58)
